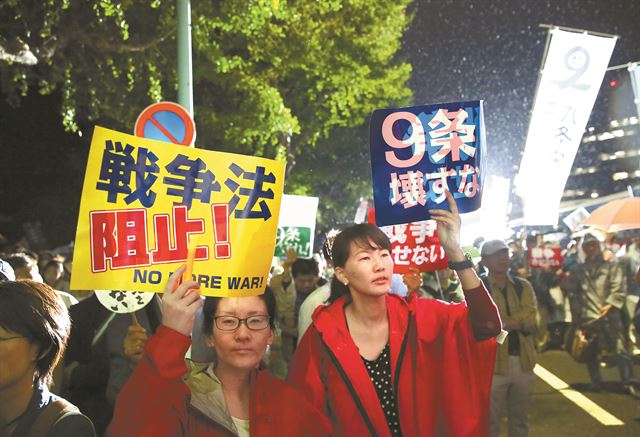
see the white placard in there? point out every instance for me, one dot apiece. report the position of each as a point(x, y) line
point(576, 217)
point(297, 213)
point(361, 212)
point(123, 302)
point(634, 76)
point(494, 209)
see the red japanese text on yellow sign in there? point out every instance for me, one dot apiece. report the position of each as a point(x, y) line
point(144, 202)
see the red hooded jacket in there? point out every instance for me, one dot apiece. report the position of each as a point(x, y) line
point(441, 374)
point(156, 402)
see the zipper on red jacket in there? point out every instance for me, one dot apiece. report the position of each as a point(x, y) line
point(403, 347)
point(396, 377)
point(352, 390)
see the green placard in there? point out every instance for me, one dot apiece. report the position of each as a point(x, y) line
point(293, 236)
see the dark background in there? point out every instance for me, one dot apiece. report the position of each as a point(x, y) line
point(460, 50)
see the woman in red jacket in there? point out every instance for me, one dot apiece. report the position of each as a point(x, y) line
point(231, 397)
point(380, 365)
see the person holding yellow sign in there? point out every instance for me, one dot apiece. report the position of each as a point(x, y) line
point(233, 395)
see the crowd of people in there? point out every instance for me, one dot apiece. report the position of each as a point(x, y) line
point(347, 348)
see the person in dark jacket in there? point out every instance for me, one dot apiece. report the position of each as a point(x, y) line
point(378, 364)
point(34, 327)
point(87, 362)
point(232, 396)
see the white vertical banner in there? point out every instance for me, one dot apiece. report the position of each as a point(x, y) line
point(570, 79)
point(296, 225)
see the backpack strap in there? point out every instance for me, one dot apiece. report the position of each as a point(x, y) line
point(518, 286)
point(517, 282)
point(50, 416)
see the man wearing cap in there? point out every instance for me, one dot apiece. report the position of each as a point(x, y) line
point(597, 293)
point(513, 378)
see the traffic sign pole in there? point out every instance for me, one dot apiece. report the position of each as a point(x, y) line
point(185, 68)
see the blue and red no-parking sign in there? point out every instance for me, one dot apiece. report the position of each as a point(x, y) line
point(166, 121)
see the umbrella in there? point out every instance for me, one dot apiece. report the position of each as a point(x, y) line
point(617, 215)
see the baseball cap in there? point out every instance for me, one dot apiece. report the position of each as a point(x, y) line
point(492, 246)
point(6, 272)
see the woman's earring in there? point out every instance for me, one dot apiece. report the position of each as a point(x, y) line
point(346, 282)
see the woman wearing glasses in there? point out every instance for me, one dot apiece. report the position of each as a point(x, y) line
point(233, 395)
point(379, 365)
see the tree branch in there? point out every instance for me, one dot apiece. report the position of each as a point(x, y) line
point(18, 51)
point(120, 47)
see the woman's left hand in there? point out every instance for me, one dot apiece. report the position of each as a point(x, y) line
point(448, 227)
point(180, 303)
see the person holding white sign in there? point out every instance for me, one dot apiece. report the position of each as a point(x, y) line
point(231, 396)
point(379, 364)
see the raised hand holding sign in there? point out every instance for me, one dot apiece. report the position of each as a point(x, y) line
point(180, 303)
point(419, 152)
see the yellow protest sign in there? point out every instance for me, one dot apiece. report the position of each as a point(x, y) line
point(144, 202)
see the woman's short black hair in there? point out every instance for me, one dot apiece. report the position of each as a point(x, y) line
point(211, 305)
point(364, 235)
point(35, 310)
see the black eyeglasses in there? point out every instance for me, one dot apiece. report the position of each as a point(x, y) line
point(231, 323)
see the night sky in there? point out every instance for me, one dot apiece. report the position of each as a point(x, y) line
point(492, 50)
point(459, 49)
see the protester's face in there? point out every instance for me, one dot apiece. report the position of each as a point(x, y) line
point(243, 348)
point(367, 270)
point(499, 262)
point(52, 274)
point(306, 283)
point(18, 358)
point(591, 248)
